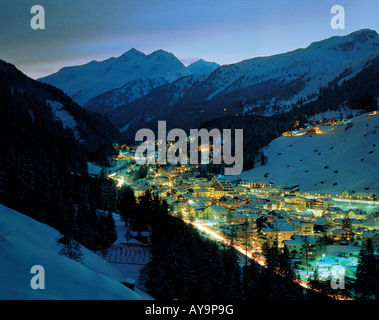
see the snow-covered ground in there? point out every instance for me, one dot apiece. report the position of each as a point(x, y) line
point(329, 162)
point(127, 270)
point(24, 243)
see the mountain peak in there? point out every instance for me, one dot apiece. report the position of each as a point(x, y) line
point(161, 53)
point(132, 53)
point(369, 32)
point(202, 66)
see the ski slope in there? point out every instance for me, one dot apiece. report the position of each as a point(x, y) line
point(329, 162)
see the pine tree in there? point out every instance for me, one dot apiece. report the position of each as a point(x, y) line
point(366, 282)
point(71, 249)
point(127, 205)
point(110, 229)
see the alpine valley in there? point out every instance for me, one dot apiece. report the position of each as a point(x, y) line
point(74, 200)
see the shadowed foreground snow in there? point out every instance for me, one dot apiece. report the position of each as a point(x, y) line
point(24, 242)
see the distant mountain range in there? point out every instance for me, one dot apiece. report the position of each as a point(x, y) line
point(135, 90)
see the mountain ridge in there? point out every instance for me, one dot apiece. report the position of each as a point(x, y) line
point(84, 82)
point(263, 85)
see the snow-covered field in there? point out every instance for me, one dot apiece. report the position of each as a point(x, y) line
point(25, 243)
point(329, 162)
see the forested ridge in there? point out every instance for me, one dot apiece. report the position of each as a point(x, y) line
point(43, 166)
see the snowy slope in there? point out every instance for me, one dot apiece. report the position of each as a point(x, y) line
point(87, 81)
point(303, 159)
point(25, 242)
point(112, 99)
point(202, 66)
point(316, 65)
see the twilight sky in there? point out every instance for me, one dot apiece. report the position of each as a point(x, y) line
point(223, 31)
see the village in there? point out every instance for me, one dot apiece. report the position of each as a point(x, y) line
point(320, 232)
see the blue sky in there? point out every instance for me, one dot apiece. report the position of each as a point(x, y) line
point(223, 31)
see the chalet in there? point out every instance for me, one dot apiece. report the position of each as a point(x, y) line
point(299, 246)
point(295, 202)
point(221, 187)
point(371, 223)
point(238, 218)
point(304, 228)
point(321, 224)
point(342, 235)
point(226, 199)
point(356, 223)
point(274, 204)
point(313, 130)
point(195, 209)
point(330, 218)
point(315, 204)
point(241, 197)
point(278, 232)
point(345, 194)
point(215, 212)
point(358, 232)
point(258, 185)
point(370, 234)
point(278, 213)
point(327, 202)
point(253, 217)
point(337, 212)
point(357, 214)
point(201, 192)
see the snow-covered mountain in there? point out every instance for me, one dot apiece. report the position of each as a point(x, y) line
point(134, 89)
point(202, 66)
point(343, 157)
point(263, 85)
point(24, 242)
point(87, 81)
point(304, 71)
